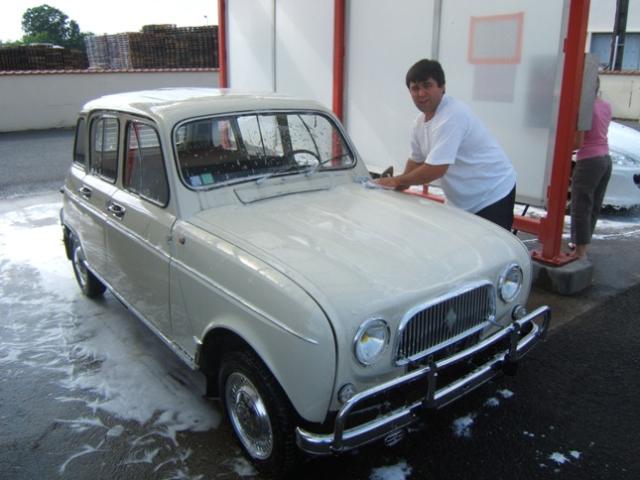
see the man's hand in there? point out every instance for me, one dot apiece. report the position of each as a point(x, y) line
point(390, 182)
point(414, 174)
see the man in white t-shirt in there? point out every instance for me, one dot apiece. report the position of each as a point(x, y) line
point(450, 143)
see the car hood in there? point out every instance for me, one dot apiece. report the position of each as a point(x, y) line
point(357, 251)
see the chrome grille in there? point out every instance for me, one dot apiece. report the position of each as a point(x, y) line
point(446, 321)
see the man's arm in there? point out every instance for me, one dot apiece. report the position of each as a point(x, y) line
point(414, 174)
point(410, 165)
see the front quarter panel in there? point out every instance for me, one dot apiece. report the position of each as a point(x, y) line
point(222, 286)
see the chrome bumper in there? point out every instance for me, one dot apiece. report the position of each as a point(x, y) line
point(435, 397)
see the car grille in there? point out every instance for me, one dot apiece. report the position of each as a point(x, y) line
point(445, 322)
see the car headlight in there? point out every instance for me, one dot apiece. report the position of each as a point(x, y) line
point(371, 340)
point(510, 282)
point(623, 159)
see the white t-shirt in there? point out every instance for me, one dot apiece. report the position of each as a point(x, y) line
point(479, 172)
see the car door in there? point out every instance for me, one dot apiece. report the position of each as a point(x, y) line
point(138, 238)
point(94, 189)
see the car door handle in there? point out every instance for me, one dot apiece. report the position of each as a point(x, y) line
point(116, 210)
point(85, 191)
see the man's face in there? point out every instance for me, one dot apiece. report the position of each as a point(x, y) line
point(426, 95)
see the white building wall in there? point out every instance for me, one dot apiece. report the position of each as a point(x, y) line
point(623, 94)
point(602, 15)
point(633, 16)
point(509, 76)
point(250, 45)
point(53, 100)
point(281, 45)
point(304, 49)
point(383, 40)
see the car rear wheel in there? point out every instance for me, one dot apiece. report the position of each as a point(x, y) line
point(88, 282)
point(259, 413)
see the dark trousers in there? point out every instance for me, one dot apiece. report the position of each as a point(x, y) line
point(501, 212)
point(588, 186)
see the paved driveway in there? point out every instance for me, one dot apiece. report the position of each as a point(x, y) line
point(34, 161)
point(86, 391)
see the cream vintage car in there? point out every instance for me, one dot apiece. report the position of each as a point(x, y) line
point(245, 231)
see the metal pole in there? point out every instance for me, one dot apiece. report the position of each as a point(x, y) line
point(437, 21)
point(551, 226)
point(338, 57)
point(223, 79)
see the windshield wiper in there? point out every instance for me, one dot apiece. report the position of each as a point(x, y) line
point(286, 169)
point(306, 169)
point(315, 168)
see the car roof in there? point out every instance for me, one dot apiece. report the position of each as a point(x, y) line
point(171, 105)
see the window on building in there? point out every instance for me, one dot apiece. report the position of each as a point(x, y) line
point(601, 49)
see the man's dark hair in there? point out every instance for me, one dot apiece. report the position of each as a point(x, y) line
point(425, 69)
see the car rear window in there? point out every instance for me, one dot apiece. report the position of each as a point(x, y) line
point(144, 169)
point(104, 147)
point(79, 153)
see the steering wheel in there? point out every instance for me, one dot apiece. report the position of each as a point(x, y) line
point(298, 151)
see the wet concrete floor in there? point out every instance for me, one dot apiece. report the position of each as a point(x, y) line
point(86, 391)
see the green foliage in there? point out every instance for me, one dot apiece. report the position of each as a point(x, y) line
point(46, 24)
point(11, 43)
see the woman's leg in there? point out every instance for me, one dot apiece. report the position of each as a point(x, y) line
point(601, 189)
point(588, 178)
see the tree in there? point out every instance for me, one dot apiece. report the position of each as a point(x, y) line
point(46, 24)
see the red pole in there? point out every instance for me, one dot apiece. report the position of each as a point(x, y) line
point(551, 226)
point(223, 81)
point(338, 57)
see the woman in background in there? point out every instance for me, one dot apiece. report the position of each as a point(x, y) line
point(590, 176)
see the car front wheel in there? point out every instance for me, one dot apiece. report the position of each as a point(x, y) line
point(89, 284)
point(259, 413)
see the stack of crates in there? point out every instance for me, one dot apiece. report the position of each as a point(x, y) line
point(157, 46)
point(108, 51)
point(97, 51)
point(41, 57)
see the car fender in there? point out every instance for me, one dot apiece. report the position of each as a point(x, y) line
point(216, 285)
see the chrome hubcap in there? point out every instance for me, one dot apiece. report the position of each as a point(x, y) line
point(79, 266)
point(248, 415)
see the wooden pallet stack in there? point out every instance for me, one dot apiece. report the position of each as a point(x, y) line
point(156, 46)
point(41, 57)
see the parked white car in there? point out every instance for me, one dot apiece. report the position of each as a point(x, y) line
point(325, 313)
point(623, 190)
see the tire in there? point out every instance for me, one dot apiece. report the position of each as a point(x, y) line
point(259, 413)
point(88, 282)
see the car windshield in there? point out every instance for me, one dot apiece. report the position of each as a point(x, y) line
point(254, 147)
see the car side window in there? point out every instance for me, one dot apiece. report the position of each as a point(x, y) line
point(104, 148)
point(207, 148)
point(144, 170)
point(79, 154)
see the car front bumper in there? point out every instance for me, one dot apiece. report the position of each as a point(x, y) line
point(436, 396)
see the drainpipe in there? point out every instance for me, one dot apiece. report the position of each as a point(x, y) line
point(223, 79)
point(619, 32)
point(338, 57)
